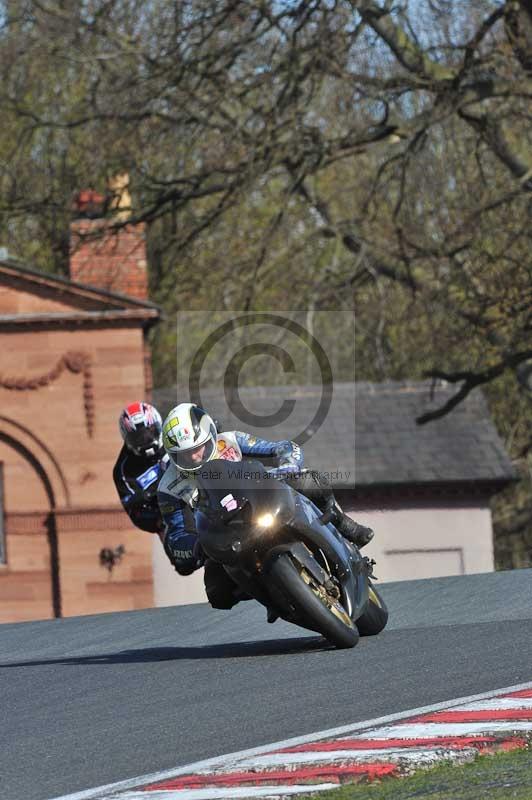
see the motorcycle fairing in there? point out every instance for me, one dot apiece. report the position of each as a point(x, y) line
point(234, 539)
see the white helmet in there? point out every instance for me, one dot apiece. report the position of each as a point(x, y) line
point(189, 437)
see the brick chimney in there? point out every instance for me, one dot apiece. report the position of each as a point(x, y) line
point(101, 254)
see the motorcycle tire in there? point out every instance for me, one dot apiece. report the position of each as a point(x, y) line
point(336, 627)
point(375, 617)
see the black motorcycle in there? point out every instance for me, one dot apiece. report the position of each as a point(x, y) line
point(280, 549)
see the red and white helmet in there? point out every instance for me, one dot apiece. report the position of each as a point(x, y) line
point(141, 429)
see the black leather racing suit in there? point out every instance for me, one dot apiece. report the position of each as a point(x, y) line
point(136, 479)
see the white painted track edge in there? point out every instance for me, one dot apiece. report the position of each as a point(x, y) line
point(234, 793)
point(221, 760)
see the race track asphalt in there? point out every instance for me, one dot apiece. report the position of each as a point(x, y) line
point(91, 700)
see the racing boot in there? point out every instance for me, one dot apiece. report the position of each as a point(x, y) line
point(360, 535)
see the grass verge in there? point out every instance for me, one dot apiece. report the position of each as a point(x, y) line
point(503, 776)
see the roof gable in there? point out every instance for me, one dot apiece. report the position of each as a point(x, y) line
point(28, 291)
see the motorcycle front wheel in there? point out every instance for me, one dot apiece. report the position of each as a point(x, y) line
point(317, 608)
point(375, 617)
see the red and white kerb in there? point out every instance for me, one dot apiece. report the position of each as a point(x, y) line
point(456, 731)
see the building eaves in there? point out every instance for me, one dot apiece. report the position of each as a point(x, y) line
point(66, 286)
point(146, 317)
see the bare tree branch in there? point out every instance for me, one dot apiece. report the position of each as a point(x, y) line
point(469, 381)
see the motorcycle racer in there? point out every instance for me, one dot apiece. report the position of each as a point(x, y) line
point(190, 439)
point(140, 465)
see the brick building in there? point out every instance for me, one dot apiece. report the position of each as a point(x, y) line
point(73, 355)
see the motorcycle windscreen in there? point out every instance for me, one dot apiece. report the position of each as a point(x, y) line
point(241, 507)
point(227, 486)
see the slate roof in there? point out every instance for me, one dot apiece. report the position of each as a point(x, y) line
point(370, 437)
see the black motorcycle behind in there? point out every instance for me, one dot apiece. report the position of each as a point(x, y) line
point(278, 548)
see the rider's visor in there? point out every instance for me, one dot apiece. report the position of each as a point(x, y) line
point(144, 438)
point(194, 457)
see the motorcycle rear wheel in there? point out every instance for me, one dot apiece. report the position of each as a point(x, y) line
point(320, 611)
point(375, 617)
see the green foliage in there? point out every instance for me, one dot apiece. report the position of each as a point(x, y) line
point(498, 777)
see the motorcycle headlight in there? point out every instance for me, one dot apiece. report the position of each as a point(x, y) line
point(265, 520)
